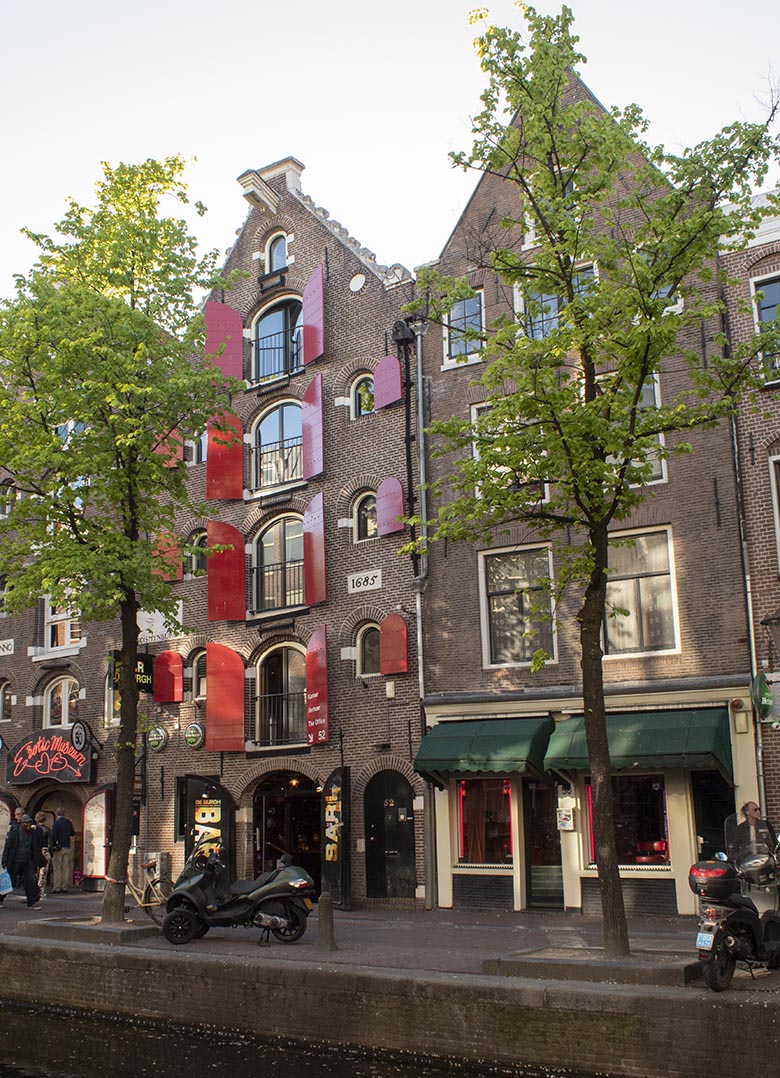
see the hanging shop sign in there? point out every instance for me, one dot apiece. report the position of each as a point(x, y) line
point(335, 837)
point(157, 738)
point(144, 672)
point(194, 735)
point(317, 721)
point(48, 756)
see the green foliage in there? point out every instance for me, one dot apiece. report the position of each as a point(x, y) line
point(103, 378)
point(571, 433)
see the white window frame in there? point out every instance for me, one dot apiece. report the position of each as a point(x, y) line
point(279, 232)
point(518, 294)
point(474, 413)
point(484, 605)
point(756, 286)
point(199, 683)
point(51, 618)
point(47, 696)
point(5, 693)
point(356, 517)
point(110, 718)
point(676, 650)
point(353, 395)
point(200, 537)
point(369, 626)
point(466, 358)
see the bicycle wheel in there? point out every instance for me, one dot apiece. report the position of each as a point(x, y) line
point(154, 898)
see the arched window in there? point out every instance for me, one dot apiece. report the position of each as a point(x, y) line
point(8, 496)
point(276, 258)
point(61, 702)
point(5, 701)
point(280, 704)
point(201, 448)
point(199, 676)
point(362, 396)
point(367, 651)
point(278, 341)
point(278, 447)
point(278, 566)
point(196, 561)
point(365, 517)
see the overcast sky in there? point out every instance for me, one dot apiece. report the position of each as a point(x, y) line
point(370, 97)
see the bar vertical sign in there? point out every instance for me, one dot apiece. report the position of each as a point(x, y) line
point(317, 721)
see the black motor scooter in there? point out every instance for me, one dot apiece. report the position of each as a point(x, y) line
point(279, 901)
point(739, 905)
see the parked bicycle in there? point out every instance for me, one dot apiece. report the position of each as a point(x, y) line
point(154, 894)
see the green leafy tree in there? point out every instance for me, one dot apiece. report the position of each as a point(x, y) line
point(104, 376)
point(567, 380)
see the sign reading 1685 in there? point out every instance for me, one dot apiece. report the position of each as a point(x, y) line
point(368, 581)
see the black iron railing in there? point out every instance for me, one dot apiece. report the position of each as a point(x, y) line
point(280, 719)
point(277, 463)
point(275, 355)
point(275, 587)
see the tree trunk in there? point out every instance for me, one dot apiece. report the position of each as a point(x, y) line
point(113, 910)
point(591, 618)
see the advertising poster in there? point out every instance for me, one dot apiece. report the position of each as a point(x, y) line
point(96, 819)
point(335, 838)
point(210, 814)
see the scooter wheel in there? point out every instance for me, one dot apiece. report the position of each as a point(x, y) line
point(296, 926)
point(180, 926)
point(719, 971)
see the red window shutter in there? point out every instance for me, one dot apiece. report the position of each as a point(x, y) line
point(168, 678)
point(225, 459)
point(314, 317)
point(226, 574)
point(224, 699)
point(389, 506)
point(393, 645)
point(167, 549)
point(314, 580)
point(224, 326)
point(311, 418)
point(387, 382)
point(317, 719)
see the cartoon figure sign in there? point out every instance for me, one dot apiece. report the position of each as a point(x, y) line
point(45, 754)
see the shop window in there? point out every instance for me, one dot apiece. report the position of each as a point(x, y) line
point(463, 329)
point(362, 396)
point(5, 701)
point(278, 566)
point(640, 595)
point(280, 703)
point(61, 702)
point(639, 808)
point(368, 651)
point(277, 447)
point(278, 341)
point(517, 607)
point(766, 296)
point(364, 522)
point(484, 822)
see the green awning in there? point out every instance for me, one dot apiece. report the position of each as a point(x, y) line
point(697, 740)
point(487, 746)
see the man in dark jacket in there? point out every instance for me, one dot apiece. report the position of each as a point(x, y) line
point(23, 854)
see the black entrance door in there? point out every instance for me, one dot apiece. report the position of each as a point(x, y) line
point(287, 820)
point(390, 863)
point(544, 875)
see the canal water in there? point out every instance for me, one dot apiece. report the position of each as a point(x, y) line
point(44, 1042)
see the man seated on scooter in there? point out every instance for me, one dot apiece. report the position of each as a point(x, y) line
point(755, 831)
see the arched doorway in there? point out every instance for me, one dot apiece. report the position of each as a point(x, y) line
point(49, 801)
point(287, 820)
point(390, 863)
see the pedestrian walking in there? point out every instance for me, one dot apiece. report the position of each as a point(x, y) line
point(61, 846)
point(23, 854)
point(18, 813)
point(41, 825)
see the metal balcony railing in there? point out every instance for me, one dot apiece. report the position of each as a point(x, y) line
point(275, 355)
point(277, 463)
point(275, 587)
point(280, 719)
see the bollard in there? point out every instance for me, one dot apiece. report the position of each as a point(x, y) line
point(326, 937)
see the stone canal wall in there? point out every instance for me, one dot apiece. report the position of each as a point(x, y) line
point(646, 1031)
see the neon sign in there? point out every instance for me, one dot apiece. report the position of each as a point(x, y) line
point(47, 755)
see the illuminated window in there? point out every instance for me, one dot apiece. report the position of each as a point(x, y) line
point(484, 821)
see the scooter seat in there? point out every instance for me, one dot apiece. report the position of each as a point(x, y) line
point(246, 887)
point(742, 902)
